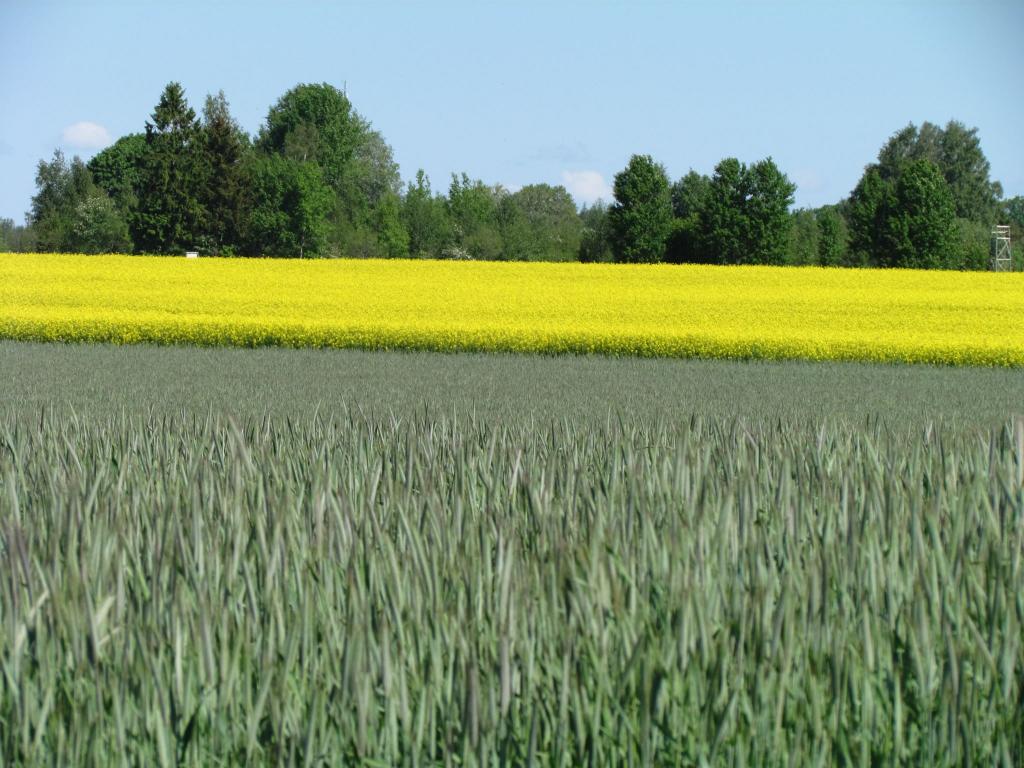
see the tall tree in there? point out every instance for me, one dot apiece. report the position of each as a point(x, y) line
point(473, 208)
point(118, 171)
point(70, 213)
point(426, 220)
point(224, 149)
point(804, 238)
point(549, 221)
point(689, 198)
point(917, 228)
point(170, 216)
point(315, 123)
point(290, 203)
point(833, 238)
point(956, 151)
point(595, 240)
point(869, 203)
point(745, 218)
point(641, 216)
point(98, 226)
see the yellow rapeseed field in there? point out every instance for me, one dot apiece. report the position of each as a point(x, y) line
point(659, 310)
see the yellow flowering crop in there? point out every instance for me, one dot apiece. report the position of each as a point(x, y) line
point(652, 310)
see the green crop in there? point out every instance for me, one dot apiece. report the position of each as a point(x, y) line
point(414, 589)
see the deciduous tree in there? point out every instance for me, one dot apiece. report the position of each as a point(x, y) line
point(641, 216)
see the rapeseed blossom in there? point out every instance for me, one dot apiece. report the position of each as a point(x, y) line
point(807, 313)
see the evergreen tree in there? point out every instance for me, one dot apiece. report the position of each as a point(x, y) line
point(170, 216)
point(224, 149)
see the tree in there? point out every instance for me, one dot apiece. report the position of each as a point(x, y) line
point(547, 218)
point(689, 198)
point(595, 239)
point(425, 216)
point(170, 216)
point(98, 226)
point(1012, 212)
point(389, 227)
point(905, 220)
point(118, 171)
point(966, 170)
point(315, 123)
point(641, 216)
point(870, 199)
point(833, 238)
point(746, 214)
point(16, 238)
point(473, 208)
point(225, 146)
point(956, 151)
point(804, 237)
point(60, 188)
point(917, 226)
point(290, 203)
point(366, 219)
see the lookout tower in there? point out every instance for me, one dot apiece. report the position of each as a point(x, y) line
point(1002, 256)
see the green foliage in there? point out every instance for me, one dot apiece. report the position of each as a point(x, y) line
point(551, 227)
point(906, 221)
point(804, 238)
point(315, 123)
point(956, 151)
point(970, 246)
point(870, 202)
point(404, 586)
point(225, 147)
point(70, 213)
point(391, 232)
point(1012, 212)
point(99, 227)
point(689, 199)
point(746, 213)
point(595, 239)
point(16, 238)
point(833, 238)
point(473, 208)
point(640, 219)
point(170, 217)
point(118, 171)
point(290, 208)
point(426, 220)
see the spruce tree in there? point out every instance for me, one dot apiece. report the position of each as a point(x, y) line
point(170, 216)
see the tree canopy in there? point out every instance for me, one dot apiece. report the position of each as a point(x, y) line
point(319, 180)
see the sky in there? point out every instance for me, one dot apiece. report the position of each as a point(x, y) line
point(528, 91)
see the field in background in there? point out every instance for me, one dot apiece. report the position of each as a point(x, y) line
point(221, 556)
point(630, 310)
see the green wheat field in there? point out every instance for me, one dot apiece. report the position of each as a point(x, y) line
point(215, 557)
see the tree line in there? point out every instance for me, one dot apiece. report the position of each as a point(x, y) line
point(318, 180)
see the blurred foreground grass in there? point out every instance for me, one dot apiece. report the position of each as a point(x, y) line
point(228, 557)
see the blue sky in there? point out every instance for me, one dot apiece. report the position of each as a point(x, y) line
point(522, 92)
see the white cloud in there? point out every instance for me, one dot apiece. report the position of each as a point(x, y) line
point(86, 135)
point(586, 186)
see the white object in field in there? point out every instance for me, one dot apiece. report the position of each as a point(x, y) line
point(1002, 260)
point(191, 254)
